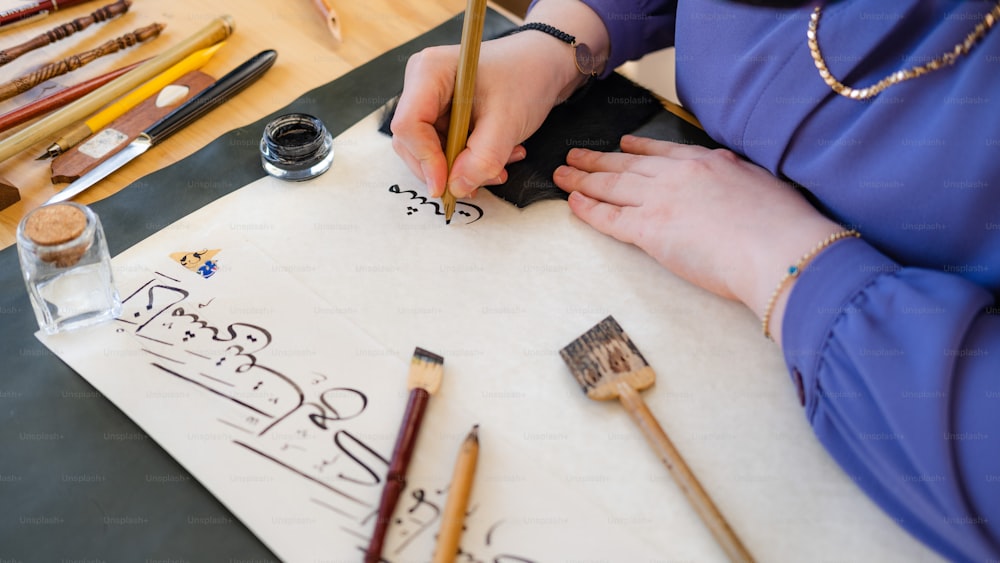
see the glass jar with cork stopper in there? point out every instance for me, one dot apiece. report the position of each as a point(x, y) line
point(66, 266)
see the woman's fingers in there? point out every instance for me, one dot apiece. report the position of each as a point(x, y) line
point(490, 146)
point(613, 187)
point(597, 161)
point(517, 155)
point(645, 157)
point(633, 157)
point(421, 107)
point(633, 144)
point(607, 218)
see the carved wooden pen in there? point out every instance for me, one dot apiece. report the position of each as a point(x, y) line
point(426, 370)
point(32, 10)
point(29, 81)
point(215, 31)
point(465, 86)
point(65, 30)
point(59, 99)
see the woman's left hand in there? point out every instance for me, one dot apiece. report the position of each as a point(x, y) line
point(709, 216)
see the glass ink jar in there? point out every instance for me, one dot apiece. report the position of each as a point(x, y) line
point(66, 266)
point(296, 147)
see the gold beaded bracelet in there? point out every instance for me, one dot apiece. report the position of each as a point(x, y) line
point(793, 272)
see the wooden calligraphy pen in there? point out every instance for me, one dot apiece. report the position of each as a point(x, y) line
point(27, 82)
point(216, 30)
point(183, 115)
point(426, 370)
point(465, 86)
point(31, 10)
point(65, 30)
point(453, 518)
point(57, 100)
point(83, 129)
point(329, 18)
point(608, 365)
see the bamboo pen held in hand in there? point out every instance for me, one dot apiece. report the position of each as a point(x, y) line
point(465, 86)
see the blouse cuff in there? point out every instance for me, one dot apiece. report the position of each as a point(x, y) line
point(822, 294)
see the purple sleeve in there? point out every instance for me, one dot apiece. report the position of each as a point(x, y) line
point(899, 373)
point(636, 27)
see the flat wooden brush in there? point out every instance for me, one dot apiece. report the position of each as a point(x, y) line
point(608, 365)
point(426, 370)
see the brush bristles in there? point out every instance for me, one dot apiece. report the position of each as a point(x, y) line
point(605, 356)
point(426, 370)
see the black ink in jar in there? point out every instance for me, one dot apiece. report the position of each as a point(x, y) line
point(296, 147)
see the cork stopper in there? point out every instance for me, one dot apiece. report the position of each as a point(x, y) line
point(55, 225)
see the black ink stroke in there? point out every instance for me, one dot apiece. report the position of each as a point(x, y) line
point(152, 292)
point(421, 200)
point(340, 438)
point(420, 501)
point(231, 332)
point(325, 398)
point(326, 486)
point(175, 280)
point(330, 507)
point(217, 392)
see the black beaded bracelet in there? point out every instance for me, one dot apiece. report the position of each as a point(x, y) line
point(544, 28)
point(585, 61)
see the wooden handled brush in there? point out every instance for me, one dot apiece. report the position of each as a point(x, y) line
point(426, 370)
point(608, 365)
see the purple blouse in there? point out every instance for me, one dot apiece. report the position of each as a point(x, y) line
point(893, 340)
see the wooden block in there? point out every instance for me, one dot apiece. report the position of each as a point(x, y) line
point(82, 158)
point(8, 194)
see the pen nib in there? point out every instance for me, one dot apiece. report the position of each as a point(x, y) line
point(448, 203)
point(51, 152)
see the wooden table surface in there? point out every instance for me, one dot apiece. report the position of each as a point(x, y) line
point(307, 58)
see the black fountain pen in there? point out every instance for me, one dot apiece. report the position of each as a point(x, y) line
point(206, 100)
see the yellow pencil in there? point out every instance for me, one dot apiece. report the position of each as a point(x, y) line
point(465, 86)
point(453, 518)
point(83, 129)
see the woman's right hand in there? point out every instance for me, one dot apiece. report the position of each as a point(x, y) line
point(519, 79)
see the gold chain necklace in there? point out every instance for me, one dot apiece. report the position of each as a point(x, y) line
point(944, 60)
